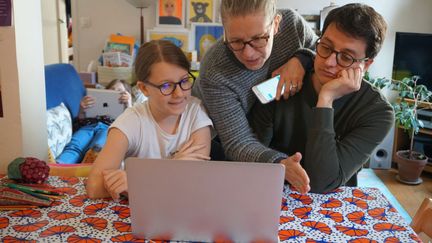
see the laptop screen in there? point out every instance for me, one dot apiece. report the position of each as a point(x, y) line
point(204, 200)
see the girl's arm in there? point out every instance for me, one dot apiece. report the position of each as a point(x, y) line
point(108, 160)
point(197, 147)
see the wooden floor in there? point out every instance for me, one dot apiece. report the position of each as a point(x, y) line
point(410, 197)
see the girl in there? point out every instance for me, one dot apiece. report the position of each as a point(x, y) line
point(170, 124)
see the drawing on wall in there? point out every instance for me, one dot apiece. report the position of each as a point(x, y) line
point(170, 13)
point(205, 35)
point(5, 13)
point(179, 38)
point(200, 11)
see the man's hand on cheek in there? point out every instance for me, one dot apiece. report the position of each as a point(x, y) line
point(348, 81)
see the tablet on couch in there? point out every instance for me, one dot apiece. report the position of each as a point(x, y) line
point(106, 103)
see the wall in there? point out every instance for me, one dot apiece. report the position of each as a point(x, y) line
point(50, 32)
point(54, 29)
point(119, 16)
point(91, 28)
point(23, 126)
point(401, 15)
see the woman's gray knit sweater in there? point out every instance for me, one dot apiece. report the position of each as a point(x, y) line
point(225, 87)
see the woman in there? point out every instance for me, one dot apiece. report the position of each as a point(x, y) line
point(259, 43)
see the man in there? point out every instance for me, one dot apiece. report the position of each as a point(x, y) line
point(337, 119)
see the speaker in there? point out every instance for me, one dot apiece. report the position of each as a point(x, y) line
point(381, 157)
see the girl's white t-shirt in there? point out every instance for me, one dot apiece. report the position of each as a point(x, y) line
point(148, 140)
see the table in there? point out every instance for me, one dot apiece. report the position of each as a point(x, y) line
point(344, 215)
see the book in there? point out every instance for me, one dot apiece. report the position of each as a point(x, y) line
point(9, 196)
point(116, 59)
point(121, 39)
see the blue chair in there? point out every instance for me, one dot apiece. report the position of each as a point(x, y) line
point(63, 84)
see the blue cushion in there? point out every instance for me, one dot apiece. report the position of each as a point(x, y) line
point(63, 84)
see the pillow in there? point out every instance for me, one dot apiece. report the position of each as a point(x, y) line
point(59, 128)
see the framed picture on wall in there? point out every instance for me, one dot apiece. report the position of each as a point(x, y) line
point(180, 38)
point(170, 13)
point(204, 35)
point(200, 11)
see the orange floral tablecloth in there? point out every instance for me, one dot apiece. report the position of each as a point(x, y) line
point(344, 215)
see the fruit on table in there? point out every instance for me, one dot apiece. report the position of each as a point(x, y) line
point(28, 170)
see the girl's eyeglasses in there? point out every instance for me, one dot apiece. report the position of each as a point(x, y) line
point(168, 88)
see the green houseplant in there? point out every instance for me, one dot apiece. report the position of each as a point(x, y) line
point(412, 97)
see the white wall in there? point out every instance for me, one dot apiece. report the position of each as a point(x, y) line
point(54, 29)
point(95, 20)
point(401, 15)
point(119, 16)
point(50, 32)
point(23, 126)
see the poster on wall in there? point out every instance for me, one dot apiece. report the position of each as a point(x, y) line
point(170, 13)
point(180, 38)
point(5, 13)
point(200, 11)
point(204, 36)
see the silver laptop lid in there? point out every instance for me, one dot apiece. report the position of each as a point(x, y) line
point(204, 200)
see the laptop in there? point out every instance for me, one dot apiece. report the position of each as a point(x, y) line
point(106, 103)
point(204, 201)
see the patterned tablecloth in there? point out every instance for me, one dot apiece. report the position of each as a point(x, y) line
point(344, 215)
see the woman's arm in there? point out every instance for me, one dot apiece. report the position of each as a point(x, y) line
point(108, 160)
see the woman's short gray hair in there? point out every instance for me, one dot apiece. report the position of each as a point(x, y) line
point(234, 8)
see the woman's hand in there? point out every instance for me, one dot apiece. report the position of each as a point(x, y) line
point(295, 174)
point(115, 182)
point(125, 98)
point(87, 102)
point(291, 76)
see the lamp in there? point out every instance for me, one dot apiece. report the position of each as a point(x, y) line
point(141, 4)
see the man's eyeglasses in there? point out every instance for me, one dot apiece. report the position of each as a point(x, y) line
point(343, 59)
point(168, 88)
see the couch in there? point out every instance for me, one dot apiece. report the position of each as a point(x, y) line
point(62, 85)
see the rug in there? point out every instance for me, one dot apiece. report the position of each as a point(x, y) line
point(367, 178)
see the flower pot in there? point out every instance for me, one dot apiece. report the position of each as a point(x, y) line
point(410, 169)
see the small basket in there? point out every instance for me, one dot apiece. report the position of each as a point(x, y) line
point(107, 74)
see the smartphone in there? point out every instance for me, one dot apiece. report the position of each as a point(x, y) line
point(266, 91)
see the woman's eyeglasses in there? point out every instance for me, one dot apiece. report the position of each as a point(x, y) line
point(168, 88)
point(343, 59)
point(239, 45)
point(257, 42)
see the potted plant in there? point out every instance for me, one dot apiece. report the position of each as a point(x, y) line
point(412, 98)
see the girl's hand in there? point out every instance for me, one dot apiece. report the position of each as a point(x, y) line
point(189, 152)
point(115, 182)
point(125, 98)
point(87, 102)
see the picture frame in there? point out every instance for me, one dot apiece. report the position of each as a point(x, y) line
point(180, 38)
point(170, 13)
point(204, 35)
point(200, 11)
